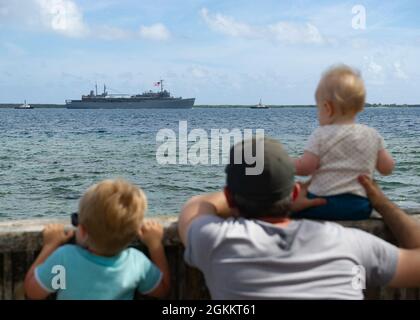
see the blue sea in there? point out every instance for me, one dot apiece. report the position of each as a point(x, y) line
point(48, 157)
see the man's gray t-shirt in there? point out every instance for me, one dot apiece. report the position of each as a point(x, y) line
point(252, 259)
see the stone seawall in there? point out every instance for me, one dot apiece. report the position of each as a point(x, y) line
point(20, 242)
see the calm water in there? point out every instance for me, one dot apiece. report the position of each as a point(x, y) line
point(48, 157)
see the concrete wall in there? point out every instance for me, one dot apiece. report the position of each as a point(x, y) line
point(20, 241)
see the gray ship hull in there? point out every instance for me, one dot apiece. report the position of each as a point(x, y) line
point(147, 104)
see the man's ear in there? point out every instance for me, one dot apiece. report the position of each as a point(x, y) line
point(296, 191)
point(229, 198)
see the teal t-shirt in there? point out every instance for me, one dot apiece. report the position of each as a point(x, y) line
point(75, 273)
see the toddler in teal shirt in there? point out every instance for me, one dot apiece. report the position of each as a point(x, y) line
point(99, 265)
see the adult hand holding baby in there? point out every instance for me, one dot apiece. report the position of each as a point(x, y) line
point(302, 201)
point(374, 193)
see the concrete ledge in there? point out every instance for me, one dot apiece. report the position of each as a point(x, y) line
point(21, 240)
point(26, 235)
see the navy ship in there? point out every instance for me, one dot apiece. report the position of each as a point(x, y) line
point(150, 99)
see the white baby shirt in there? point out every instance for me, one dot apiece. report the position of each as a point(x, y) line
point(345, 152)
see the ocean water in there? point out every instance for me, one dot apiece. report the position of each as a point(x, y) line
point(48, 157)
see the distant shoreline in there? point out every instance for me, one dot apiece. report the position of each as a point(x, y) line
point(310, 106)
point(63, 106)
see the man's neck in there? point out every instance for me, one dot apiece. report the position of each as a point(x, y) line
point(281, 222)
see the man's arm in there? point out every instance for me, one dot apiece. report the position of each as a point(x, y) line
point(216, 204)
point(213, 203)
point(405, 229)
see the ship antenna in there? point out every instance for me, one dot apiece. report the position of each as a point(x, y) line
point(161, 85)
point(96, 88)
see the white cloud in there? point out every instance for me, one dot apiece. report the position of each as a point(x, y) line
point(156, 32)
point(375, 68)
point(398, 71)
point(374, 71)
point(375, 74)
point(228, 25)
point(65, 17)
point(281, 31)
point(293, 33)
point(59, 16)
point(62, 16)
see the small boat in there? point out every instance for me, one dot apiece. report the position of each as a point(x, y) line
point(260, 105)
point(24, 106)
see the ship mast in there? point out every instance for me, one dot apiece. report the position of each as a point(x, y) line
point(161, 85)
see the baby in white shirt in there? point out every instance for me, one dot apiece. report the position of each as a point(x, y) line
point(339, 150)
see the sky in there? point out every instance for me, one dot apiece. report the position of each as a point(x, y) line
point(218, 51)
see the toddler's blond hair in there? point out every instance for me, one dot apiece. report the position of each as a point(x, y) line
point(342, 86)
point(111, 212)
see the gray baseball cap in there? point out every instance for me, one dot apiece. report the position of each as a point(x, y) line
point(276, 180)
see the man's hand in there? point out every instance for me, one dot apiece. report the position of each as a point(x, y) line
point(302, 202)
point(54, 235)
point(151, 233)
point(374, 193)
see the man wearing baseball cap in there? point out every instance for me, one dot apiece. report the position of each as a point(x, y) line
point(248, 246)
